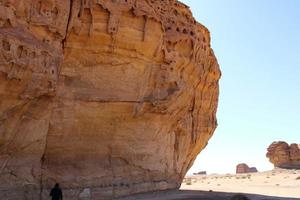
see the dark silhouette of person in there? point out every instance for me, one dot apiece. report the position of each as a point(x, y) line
point(56, 193)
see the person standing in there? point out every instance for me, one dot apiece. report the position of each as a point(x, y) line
point(56, 193)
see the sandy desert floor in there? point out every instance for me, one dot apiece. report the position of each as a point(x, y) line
point(278, 182)
point(271, 185)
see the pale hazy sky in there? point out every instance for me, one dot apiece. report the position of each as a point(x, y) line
point(257, 43)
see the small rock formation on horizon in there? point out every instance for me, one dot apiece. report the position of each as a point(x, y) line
point(244, 168)
point(283, 155)
point(106, 97)
point(200, 173)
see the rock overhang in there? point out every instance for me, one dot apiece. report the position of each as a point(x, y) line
point(129, 104)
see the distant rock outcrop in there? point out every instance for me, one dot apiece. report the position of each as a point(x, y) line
point(283, 155)
point(244, 168)
point(200, 173)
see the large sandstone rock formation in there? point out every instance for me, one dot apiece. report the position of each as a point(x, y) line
point(106, 97)
point(283, 155)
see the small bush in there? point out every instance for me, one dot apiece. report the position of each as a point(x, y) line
point(298, 178)
point(188, 181)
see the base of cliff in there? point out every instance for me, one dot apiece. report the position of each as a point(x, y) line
point(197, 195)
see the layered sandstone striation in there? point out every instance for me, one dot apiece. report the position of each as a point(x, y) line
point(283, 155)
point(106, 97)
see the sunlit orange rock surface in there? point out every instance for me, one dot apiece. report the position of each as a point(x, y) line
point(106, 97)
point(283, 155)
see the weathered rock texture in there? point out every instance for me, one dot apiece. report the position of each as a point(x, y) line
point(106, 97)
point(244, 168)
point(283, 155)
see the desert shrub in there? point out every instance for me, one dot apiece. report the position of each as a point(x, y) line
point(188, 181)
point(239, 197)
point(298, 178)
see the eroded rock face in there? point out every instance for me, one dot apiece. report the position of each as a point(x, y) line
point(283, 155)
point(108, 98)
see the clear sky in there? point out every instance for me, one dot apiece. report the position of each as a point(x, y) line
point(257, 44)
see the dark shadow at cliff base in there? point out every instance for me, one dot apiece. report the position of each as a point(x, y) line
point(196, 195)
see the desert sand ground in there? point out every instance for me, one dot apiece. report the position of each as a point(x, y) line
point(278, 182)
point(271, 185)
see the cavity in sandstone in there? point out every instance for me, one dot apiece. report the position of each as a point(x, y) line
point(106, 97)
